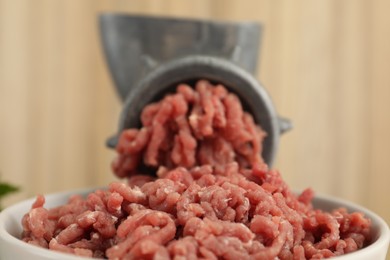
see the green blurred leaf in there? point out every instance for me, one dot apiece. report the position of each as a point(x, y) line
point(6, 189)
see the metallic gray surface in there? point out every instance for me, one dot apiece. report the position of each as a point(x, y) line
point(149, 56)
point(134, 45)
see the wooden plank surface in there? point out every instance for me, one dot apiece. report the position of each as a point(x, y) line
point(325, 63)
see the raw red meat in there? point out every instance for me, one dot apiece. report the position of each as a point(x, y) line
point(213, 197)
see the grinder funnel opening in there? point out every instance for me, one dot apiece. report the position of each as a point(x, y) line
point(163, 80)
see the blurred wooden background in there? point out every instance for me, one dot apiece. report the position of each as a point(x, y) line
point(326, 64)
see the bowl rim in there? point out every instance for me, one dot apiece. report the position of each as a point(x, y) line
point(382, 240)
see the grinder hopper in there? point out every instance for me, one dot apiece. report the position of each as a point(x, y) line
point(149, 56)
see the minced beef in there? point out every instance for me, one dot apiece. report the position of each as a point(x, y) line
point(213, 196)
point(201, 126)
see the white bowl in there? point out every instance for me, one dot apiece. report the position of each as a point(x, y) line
point(11, 247)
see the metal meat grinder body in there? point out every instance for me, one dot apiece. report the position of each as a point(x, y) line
point(149, 56)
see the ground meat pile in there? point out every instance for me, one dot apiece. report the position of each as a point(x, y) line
point(213, 197)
